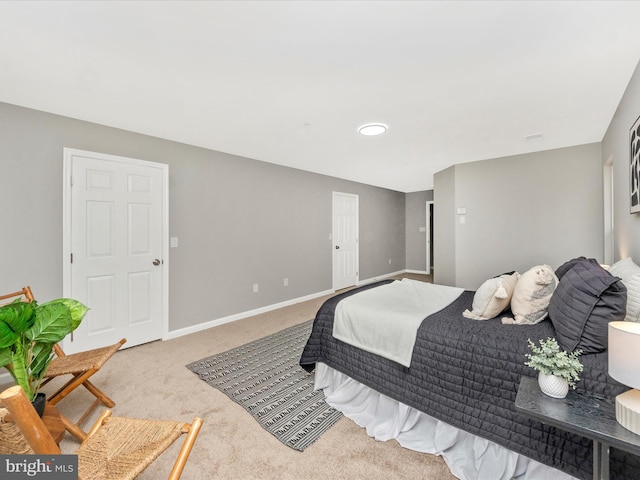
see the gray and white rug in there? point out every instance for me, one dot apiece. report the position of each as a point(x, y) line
point(265, 378)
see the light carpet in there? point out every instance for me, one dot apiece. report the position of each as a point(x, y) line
point(265, 378)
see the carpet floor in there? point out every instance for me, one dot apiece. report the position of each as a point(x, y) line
point(151, 381)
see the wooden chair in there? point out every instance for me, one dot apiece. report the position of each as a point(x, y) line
point(81, 366)
point(25, 294)
point(116, 448)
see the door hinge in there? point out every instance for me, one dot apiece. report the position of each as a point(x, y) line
point(71, 255)
point(71, 180)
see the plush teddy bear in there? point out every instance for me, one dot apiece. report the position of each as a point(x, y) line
point(531, 296)
point(493, 297)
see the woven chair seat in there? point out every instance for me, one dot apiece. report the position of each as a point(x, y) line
point(12, 441)
point(80, 362)
point(123, 447)
point(116, 448)
point(81, 367)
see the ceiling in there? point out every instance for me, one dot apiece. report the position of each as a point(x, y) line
point(289, 82)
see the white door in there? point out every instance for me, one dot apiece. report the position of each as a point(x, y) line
point(115, 248)
point(345, 240)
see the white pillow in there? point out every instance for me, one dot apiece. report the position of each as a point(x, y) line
point(531, 297)
point(629, 272)
point(633, 298)
point(624, 269)
point(493, 297)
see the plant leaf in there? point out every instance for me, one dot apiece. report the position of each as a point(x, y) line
point(18, 316)
point(53, 323)
point(78, 310)
point(5, 356)
point(42, 355)
point(20, 372)
point(7, 336)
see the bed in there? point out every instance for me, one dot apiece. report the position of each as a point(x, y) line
point(456, 398)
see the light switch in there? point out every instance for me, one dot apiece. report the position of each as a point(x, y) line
point(423, 229)
point(174, 242)
point(463, 218)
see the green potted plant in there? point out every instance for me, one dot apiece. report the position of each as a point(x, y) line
point(29, 331)
point(558, 370)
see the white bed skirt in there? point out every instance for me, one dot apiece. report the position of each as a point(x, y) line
point(468, 456)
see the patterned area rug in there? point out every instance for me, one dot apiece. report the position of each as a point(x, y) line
point(264, 377)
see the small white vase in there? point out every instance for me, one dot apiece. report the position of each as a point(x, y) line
point(556, 387)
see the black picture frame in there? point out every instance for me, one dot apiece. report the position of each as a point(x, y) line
point(634, 167)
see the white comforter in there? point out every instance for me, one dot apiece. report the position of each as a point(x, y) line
point(385, 320)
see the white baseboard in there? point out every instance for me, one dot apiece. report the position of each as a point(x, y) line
point(6, 378)
point(239, 316)
point(381, 277)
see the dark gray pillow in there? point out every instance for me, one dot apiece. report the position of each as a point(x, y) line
point(586, 300)
point(566, 266)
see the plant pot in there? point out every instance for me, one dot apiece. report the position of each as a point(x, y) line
point(556, 387)
point(39, 403)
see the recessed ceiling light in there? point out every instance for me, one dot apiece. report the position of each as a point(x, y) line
point(371, 129)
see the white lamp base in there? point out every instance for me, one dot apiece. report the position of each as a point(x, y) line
point(628, 410)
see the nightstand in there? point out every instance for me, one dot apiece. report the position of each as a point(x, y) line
point(580, 414)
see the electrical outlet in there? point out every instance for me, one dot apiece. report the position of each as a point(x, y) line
point(286, 282)
point(389, 261)
point(255, 288)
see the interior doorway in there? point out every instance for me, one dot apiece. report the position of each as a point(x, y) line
point(429, 235)
point(607, 176)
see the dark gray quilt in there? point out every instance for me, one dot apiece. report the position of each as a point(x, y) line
point(466, 373)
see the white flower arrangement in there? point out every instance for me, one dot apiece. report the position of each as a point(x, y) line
point(550, 360)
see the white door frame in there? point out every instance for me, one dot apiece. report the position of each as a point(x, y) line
point(68, 154)
point(608, 185)
point(428, 237)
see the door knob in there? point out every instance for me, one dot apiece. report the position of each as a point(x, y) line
point(157, 262)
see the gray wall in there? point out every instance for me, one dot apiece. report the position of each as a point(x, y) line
point(615, 146)
point(444, 227)
point(522, 210)
point(239, 221)
point(416, 241)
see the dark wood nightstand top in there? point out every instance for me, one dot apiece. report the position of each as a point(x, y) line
point(582, 414)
